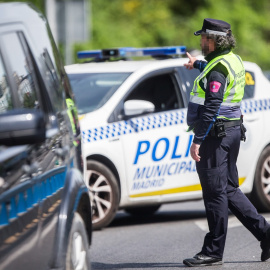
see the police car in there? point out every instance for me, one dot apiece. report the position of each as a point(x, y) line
point(134, 131)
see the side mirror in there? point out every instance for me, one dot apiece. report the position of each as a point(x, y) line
point(22, 126)
point(137, 107)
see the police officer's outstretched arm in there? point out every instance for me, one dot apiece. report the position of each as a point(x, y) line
point(195, 63)
point(191, 61)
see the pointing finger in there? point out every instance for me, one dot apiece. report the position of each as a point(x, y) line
point(189, 56)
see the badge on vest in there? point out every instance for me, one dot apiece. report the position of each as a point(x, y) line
point(214, 86)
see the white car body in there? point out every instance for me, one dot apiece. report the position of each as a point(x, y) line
point(150, 152)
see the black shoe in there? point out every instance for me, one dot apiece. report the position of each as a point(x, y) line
point(202, 260)
point(265, 246)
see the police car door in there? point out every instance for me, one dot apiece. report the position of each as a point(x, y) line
point(157, 145)
point(253, 109)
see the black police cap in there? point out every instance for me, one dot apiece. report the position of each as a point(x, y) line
point(215, 27)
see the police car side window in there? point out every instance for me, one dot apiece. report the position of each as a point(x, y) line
point(250, 85)
point(187, 78)
point(160, 90)
point(22, 71)
point(5, 94)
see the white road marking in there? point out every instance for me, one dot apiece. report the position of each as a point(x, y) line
point(232, 223)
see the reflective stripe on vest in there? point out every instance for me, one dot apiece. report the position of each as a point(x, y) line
point(236, 77)
point(70, 107)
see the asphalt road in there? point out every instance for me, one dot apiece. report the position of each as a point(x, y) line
point(163, 240)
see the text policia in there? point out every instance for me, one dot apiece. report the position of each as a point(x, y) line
point(154, 174)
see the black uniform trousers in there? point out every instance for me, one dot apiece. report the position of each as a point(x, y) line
point(219, 180)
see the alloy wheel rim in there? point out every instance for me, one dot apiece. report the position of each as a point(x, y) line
point(100, 193)
point(265, 176)
point(78, 255)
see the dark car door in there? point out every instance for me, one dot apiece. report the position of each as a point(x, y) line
point(31, 176)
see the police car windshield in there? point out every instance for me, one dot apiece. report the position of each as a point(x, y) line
point(93, 90)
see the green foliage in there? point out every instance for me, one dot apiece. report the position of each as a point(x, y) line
point(133, 23)
point(40, 4)
point(29, 101)
point(249, 25)
point(138, 23)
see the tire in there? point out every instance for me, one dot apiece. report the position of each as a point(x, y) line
point(260, 195)
point(143, 210)
point(78, 253)
point(104, 193)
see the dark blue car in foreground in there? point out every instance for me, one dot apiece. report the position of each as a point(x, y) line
point(45, 212)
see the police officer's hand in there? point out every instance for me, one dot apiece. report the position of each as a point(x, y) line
point(194, 152)
point(191, 61)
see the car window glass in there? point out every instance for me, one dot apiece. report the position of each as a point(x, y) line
point(250, 85)
point(93, 90)
point(160, 90)
point(22, 71)
point(187, 79)
point(52, 78)
point(5, 95)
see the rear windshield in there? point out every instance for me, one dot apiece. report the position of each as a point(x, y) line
point(93, 90)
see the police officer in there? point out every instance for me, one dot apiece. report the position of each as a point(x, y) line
point(214, 115)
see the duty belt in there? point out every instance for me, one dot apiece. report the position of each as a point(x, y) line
point(220, 126)
point(233, 123)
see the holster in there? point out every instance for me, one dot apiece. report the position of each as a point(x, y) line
point(243, 130)
point(219, 128)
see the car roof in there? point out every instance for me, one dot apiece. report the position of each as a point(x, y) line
point(132, 66)
point(19, 12)
point(123, 66)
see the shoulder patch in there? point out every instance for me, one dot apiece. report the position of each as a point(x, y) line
point(214, 86)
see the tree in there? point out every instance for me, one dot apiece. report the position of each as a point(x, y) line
point(139, 23)
point(40, 4)
point(248, 24)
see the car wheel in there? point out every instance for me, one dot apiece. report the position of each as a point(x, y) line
point(78, 253)
point(260, 195)
point(104, 193)
point(143, 210)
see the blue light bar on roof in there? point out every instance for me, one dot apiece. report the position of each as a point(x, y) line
point(90, 54)
point(132, 52)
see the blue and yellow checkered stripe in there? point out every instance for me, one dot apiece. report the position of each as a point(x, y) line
point(253, 106)
point(132, 126)
point(156, 121)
